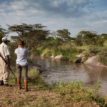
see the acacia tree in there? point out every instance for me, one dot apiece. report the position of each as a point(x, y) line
point(102, 39)
point(63, 34)
point(20, 29)
point(87, 37)
point(36, 37)
point(32, 34)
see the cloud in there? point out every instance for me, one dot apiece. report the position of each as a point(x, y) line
point(60, 7)
point(52, 7)
point(75, 15)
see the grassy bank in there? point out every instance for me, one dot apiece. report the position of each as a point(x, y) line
point(69, 53)
point(67, 49)
point(40, 94)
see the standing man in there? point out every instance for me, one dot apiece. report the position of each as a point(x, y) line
point(4, 61)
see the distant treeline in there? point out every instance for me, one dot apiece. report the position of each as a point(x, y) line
point(41, 41)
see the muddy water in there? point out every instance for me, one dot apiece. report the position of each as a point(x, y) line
point(58, 71)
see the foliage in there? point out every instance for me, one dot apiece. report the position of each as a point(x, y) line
point(105, 43)
point(103, 56)
point(36, 80)
point(33, 35)
point(63, 34)
point(12, 47)
point(41, 42)
point(77, 92)
point(94, 49)
point(86, 38)
point(2, 33)
point(20, 29)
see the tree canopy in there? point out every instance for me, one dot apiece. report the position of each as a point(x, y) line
point(63, 34)
point(2, 33)
point(87, 37)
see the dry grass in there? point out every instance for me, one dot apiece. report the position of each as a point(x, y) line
point(11, 97)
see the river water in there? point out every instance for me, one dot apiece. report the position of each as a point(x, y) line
point(60, 71)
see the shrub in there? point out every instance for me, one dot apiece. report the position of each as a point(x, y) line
point(36, 80)
point(103, 56)
point(77, 92)
point(94, 49)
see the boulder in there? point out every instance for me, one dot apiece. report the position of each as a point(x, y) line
point(94, 60)
point(58, 57)
point(80, 58)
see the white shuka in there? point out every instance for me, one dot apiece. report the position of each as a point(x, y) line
point(4, 73)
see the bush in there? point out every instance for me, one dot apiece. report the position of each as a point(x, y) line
point(36, 80)
point(94, 49)
point(103, 56)
point(75, 91)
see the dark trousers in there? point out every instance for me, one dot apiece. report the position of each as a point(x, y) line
point(20, 68)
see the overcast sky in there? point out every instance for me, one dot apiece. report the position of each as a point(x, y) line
point(75, 15)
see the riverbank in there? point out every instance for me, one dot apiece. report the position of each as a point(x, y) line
point(73, 53)
point(40, 94)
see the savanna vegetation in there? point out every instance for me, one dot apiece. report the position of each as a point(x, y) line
point(44, 43)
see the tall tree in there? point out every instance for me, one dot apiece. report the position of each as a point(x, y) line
point(87, 37)
point(20, 29)
point(102, 39)
point(63, 34)
point(32, 34)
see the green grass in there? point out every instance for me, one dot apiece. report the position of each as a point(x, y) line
point(36, 80)
point(103, 56)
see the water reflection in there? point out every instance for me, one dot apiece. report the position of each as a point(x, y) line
point(56, 71)
point(94, 73)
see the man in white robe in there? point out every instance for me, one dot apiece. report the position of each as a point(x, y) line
point(4, 62)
